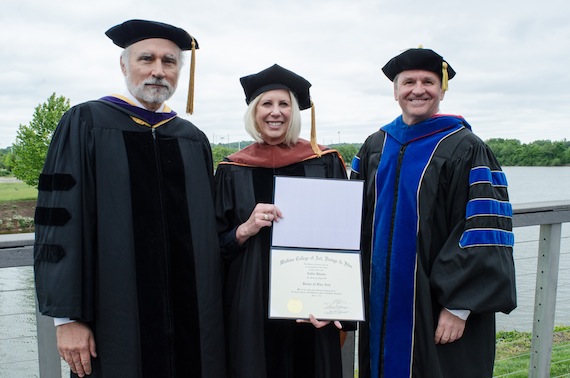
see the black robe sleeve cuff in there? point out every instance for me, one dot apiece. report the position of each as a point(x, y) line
point(229, 244)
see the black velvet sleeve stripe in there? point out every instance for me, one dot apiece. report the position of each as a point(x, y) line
point(57, 181)
point(52, 216)
point(489, 222)
point(487, 191)
point(48, 252)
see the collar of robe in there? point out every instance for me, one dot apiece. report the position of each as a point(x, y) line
point(142, 116)
point(405, 134)
point(263, 155)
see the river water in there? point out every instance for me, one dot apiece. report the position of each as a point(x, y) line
point(535, 184)
point(18, 348)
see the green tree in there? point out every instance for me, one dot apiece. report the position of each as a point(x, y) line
point(347, 151)
point(32, 141)
point(505, 150)
point(5, 161)
point(3, 153)
point(8, 161)
point(219, 152)
point(566, 154)
point(510, 152)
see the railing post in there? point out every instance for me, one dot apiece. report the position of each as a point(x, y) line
point(347, 354)
point(48, 356)
point(545, 300)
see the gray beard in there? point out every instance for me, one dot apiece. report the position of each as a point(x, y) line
point(151, 95)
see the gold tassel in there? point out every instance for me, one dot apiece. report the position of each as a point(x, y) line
point(444, 77)
point(314, 144)
point(190, 100)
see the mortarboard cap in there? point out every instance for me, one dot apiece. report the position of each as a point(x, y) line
point(132, 31)
point(276, 77)
point(419, 59)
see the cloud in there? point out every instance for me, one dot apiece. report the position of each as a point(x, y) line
point(510, 58)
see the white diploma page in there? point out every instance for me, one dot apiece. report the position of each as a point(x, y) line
point(315, 263)
point(318, 213)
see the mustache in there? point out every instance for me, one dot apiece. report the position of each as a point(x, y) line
point(157, 81)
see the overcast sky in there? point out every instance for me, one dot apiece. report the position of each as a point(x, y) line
point(511, 58)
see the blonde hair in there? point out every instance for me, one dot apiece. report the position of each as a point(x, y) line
point(293, 131)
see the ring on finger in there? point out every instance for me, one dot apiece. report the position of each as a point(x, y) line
point(265, 216)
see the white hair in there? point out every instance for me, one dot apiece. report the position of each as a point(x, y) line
point(126, 53)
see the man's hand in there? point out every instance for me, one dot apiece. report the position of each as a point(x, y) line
point(76, 345)
point(449, 327)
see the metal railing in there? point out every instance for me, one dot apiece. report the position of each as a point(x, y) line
point(16, 250)
point(549, 216)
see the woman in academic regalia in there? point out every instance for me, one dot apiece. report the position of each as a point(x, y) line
point(257, 346)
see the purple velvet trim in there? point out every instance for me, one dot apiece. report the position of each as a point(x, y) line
point(152, 118)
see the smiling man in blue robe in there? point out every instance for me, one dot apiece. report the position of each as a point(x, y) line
point(437, 235)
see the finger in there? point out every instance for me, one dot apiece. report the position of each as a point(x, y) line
point(92, 349)
point(274, 217)
point(437, 337)
point(78, 367)
point(277, 212)
point(313, 320)
point(67, 358)
point(441, 336)
point(337, 324)
point(85, 361)
point(460, 333)
point(264, 208)
point(71, 366)
point(86, 364)
point(318, 323)
point(444, 338)
point(455, 335)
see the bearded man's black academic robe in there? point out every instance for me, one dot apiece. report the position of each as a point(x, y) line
point(126, 240)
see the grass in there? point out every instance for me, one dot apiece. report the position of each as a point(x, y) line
point(513, 353)
point(17, 191)
point(17, 207)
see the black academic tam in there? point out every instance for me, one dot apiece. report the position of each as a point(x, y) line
point(132, 31)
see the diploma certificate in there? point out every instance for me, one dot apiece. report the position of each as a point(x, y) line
point(325, 284)
point(315, 262)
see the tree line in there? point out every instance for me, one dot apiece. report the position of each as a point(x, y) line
point(24, 159)
point(511, 152)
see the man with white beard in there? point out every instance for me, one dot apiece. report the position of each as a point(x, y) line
point(126, 253)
